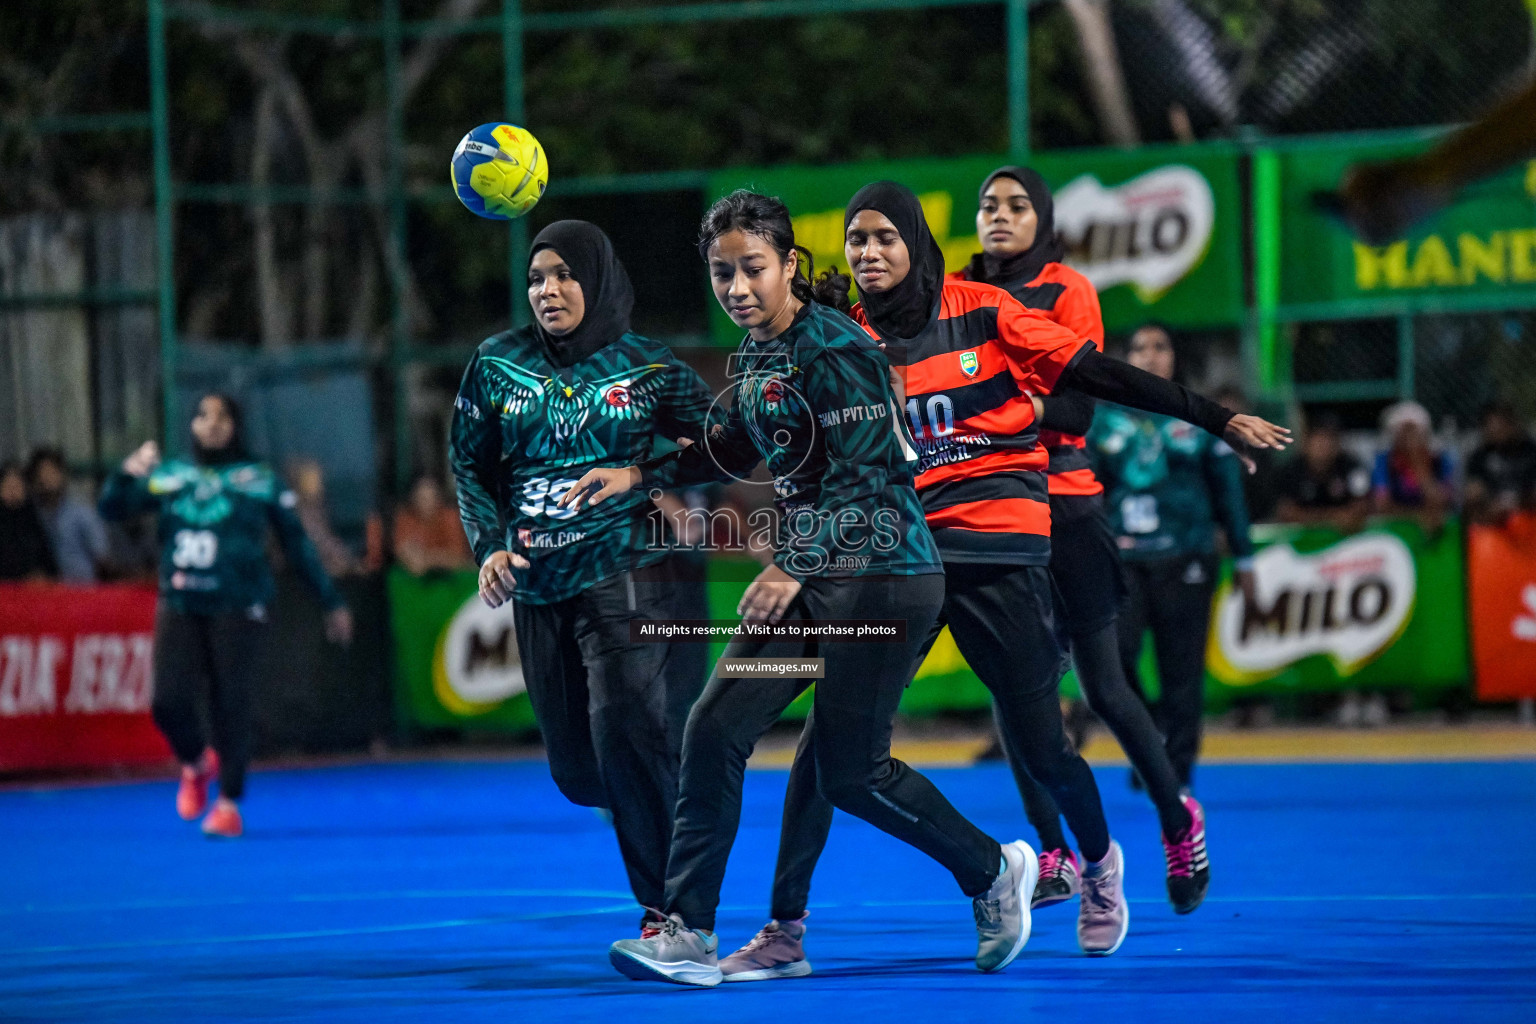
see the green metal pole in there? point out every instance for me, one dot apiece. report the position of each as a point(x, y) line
point(395, 245)
point(512, 85)
point(1266, 349)
point(165, 223)
point(1018, 77)
point(1406, 351)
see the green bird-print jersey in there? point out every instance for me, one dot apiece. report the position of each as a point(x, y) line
point(213, 524)
point(815, 404)
point(526, 429)
point(1167, 484)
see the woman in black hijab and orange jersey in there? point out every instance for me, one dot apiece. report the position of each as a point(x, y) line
point(1022, 254)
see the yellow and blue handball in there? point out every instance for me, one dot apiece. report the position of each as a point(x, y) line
point(499, 171)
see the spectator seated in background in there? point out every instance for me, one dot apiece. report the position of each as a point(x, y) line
point(1410, 477)
point(76, 533)
point(1324, 485)
point(428, 532)
point(1501, 474)
point(24, 550)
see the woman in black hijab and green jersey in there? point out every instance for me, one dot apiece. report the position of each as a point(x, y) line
point(539, 406)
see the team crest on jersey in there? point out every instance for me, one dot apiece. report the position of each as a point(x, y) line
point(969, 364)
point(617, 396)
point(773, 391)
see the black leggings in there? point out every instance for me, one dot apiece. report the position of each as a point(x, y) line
point(208, 658)
point(851, 766)
point(1085, 566)
point(605, 711)
point(1173, 597)
point(1003, 621)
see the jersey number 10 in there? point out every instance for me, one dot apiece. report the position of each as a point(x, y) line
point(941, 416)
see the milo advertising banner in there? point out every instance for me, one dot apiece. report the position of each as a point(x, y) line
point(1382, 608)
point(1485, 242)
point(456, 660)
point(1158, 231)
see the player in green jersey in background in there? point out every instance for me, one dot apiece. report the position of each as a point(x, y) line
point(1167, 485)
point(215, 585)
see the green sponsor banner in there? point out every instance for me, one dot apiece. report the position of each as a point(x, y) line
point(1485, 242)
point(456, 661)
point(1384, 608)
point(1157, 230)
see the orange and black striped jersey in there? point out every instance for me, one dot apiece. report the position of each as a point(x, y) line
point(969, 375)
point(1068, 298)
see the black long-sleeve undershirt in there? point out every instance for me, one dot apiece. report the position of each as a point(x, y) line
point(1069, 409)
point(1067, 412)
point(1111, 380)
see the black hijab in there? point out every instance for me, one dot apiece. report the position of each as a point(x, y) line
point(605, 289)
point(1022, 267)
point(913, 304)
point(232, 452)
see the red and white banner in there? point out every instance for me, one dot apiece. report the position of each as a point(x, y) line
point(76, 677)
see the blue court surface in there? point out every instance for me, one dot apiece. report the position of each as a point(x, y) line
point(468, 891)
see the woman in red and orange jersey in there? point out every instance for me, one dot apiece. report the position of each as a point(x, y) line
point(1022, 254)
point(970, 357)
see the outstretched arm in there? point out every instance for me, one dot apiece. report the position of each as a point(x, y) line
point(126, 492)
point(1223, 478)
point(682, 413)
point(1114, 381)
point(723, 452)
point(300, 550)
point(1067, 411)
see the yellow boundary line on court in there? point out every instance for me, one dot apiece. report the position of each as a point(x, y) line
point(1266, 746)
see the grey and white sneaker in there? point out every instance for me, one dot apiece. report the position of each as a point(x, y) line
point(775, 952)
point(1103, 916)
point(1002, 912)
point(679, 954)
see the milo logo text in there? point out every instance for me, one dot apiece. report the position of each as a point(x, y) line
point(1348, 602)
point(1148, 232)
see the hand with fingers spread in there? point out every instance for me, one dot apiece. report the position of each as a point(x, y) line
point(1245, 432)
point(769, 596)
point(599, 484)
point(496, 580)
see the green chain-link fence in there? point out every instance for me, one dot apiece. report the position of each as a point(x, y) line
point(295, 154)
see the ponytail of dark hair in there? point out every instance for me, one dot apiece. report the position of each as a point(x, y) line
point(831, 289)
point(768, 218)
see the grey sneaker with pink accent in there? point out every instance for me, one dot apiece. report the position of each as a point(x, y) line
point(774, 952)
point(1103, 916)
